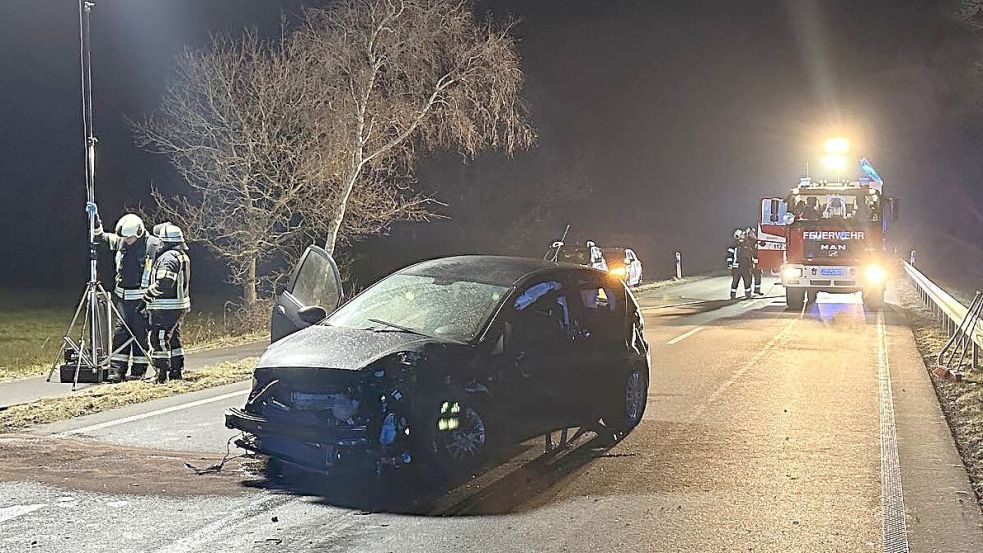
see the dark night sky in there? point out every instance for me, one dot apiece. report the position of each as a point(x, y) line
point(680, 114)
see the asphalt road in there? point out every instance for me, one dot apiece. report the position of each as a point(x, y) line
point(767, 430)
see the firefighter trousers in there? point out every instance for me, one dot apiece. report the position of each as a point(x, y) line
point(738, 274)
point(164, 325)
point(136, 345)
point(177, 349)
point(756, 276)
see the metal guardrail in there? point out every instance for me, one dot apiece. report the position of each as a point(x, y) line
point(949, 311)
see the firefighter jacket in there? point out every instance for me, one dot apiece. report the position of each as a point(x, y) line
point(740, 254)
point(133, 263)
point(169, 289)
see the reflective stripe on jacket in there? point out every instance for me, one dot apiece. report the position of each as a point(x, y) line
point(118, 246)
point(170, 287)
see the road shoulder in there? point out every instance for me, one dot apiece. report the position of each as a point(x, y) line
point(941, 508)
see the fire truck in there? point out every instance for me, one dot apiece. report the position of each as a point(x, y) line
point(828, 237)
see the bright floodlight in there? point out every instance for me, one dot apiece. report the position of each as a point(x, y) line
point(837, 146)
point(836, 162)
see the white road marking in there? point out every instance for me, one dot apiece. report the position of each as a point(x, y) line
point(678, 339)
point(142, 416)
point(8, 513)
point(755, 361)
point(894, 528)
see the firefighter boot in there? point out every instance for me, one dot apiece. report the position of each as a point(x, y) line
point(116, 374)
point(175, 374)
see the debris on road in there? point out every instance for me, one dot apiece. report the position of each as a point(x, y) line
point(81, 464)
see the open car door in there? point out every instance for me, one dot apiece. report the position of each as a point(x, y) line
point(315, 282)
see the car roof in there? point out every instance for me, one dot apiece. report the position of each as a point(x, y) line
point(491, 269)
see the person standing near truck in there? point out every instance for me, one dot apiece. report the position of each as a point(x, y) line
point(739, 262)
point(751, 238)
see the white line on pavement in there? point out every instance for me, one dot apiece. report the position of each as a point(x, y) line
point(7, 513)
point(894, 528)
point(678, 339)
point(142, 416)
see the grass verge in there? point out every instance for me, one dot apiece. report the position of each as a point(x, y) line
point(110, 396)
point(962, 402)
point(32, 323)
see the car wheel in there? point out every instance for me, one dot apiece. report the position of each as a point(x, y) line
point(458, 436)
point(627, 406)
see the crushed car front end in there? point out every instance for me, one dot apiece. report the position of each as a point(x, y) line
point(331, 420)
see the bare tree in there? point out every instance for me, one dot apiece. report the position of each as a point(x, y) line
point(317, 133)
point(409, 75)
point(241, 123)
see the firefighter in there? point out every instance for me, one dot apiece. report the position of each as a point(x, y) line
point(167, 300)
point(751, 237)
point(177, 347)
point(739, 263)
point(135, 251)
point(597, 260)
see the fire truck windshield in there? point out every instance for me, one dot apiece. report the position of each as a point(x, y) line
point(848, 203)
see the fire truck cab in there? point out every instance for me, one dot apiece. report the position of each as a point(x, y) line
point(828, 237)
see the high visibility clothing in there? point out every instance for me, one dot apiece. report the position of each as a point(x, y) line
point(127, 348)
point(170, 287)
point(134, 263)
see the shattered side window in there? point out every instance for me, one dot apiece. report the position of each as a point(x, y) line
point(535, 292)
point(545, 310)
point(603, 308)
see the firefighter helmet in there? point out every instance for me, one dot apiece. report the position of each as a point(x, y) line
point(169, 233)
point(130, 225)
point(738, 234)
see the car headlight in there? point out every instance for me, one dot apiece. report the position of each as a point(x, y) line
point(874, 274)
point(617, 271)
point(791, 273)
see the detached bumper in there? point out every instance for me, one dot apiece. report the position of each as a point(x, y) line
point(319, 448)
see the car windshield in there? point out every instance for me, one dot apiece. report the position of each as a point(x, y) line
point(455, 310)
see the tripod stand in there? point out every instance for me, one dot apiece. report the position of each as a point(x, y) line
point(87, 358)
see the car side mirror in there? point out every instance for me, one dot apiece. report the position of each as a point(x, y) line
point(312, 314)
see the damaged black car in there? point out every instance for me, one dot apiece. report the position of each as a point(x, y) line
point(441, 363)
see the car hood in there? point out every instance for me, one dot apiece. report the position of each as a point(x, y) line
point(337, 347)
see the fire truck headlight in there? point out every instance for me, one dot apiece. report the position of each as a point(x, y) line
point(791, 273)
point(874, 274)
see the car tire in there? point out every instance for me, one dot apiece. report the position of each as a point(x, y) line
point(626, 406)
point(795, 298)
point(461, 446)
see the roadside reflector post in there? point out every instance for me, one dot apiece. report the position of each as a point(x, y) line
point(679, 266)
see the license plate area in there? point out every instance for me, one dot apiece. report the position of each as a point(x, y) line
point(831, 272)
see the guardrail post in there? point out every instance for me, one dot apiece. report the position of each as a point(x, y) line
point(976, 356)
